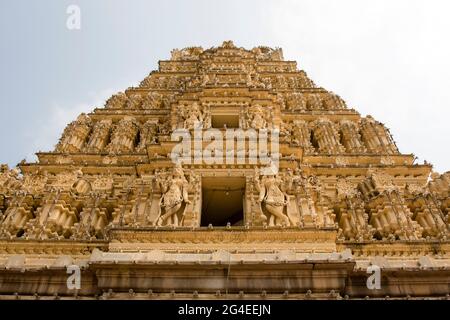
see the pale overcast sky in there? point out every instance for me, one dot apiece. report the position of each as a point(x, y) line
point(390, 59)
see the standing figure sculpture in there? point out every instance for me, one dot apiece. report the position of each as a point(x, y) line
point(175, 193)
point(258, 118)
point(194, 117)
point(274, 199)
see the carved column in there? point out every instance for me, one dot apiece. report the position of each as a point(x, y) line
point(314, 102)
point(376, 137)
point(350, 137)
point(75, 135)
point(326, 137)
point(124, 136)
point(301, 135)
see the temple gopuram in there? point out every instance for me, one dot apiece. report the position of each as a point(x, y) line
point(119, 205)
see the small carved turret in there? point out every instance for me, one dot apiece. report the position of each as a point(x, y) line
point(301, 135)
point(332, 101)
point(117, 101)
point(376, 137)
point(326, 137)
point(124, 136)
point(75, 135)
point(350, 137)
point(100, 136)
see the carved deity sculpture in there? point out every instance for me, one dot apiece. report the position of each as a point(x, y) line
point(193, 117)
point(174, 199)
point(257, 118)
point(273, 199)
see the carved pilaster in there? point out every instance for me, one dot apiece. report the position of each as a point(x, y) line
point(75, 135)
point(100, 136)
point(376, 137)
point(326, 137)
point(124, 135)
point(350, 137)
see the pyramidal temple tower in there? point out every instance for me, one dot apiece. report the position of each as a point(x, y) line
point(165, 193)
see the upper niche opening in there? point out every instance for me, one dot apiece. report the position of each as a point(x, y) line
point(221, 121)
point(222, 201)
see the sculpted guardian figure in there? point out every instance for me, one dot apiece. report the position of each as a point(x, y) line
point(194, 117)
point(273, 199)
point(175, 193)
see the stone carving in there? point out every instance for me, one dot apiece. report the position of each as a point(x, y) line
point(257, 117)
point(266, 53)
point(155, 100)
point(117, 101)
point(9, 179)
point(295, 101)
point(391, 218)
point(387, 161)
point(34, 183)
point(75, 135)
point(54, 219)
point(345, 189)
point(16, 217)
point(124, 136)
point(429, 216)
point(273, 200)
point(110, 185)
point(326, 137)
point(333, 101)
point(191, 53)
point(148, 134)
point(65, 180)
point(314, 102)
point(135, 101)
point(376, 137)
point(192, 116)
point(100, 136)
point(174, 199)
point(352, 219)
point(81, 187)
point(350, 137)
point(301, 135)
point(103, 183)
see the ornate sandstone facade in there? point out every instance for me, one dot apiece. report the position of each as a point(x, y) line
point(110, 200)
